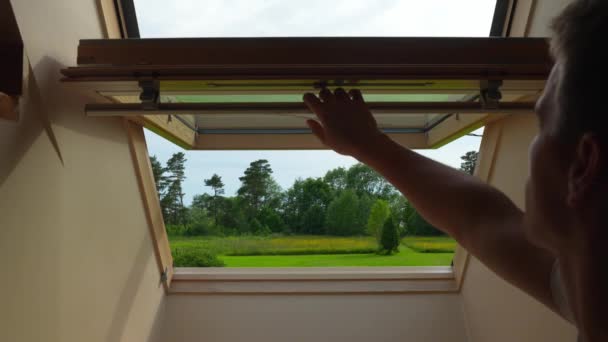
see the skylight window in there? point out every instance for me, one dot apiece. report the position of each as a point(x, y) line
point(230, 75)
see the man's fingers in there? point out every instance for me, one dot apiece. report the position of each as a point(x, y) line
point(326, 95)
point(313, 103)
point(355, 94)
point(341, 94)
point(317, 129)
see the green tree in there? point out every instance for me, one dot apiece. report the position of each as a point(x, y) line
point(203, 201)
point(268, 217)
point(161, 182)
point(389, 240)
point(469, 161)
point(336, 179)
point(173, 199)
point(172, 203)
point(232, 217)
point(378, 215)
point(305, 205)
point(216, 184)
point(402, 213)
point(258, 187)
point(363, 210)
point(200, 223)
point(158, 171)
point(313, 220)
point(342, 215)
point(365, 181)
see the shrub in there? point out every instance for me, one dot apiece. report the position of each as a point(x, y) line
point(200, 223)
point(192, 257)
point(203, 228)
point(389, 240)
point(175, 230)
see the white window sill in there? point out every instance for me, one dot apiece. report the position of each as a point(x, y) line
point(333, 280)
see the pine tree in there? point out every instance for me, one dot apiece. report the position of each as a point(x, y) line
point(173, 199)
point(216, 184)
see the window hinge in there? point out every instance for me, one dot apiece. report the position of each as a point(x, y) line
point(164, 277)
point(150, 94)
point(490, 94)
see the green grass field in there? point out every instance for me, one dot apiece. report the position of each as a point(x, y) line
point(433, 244)
point(290, 245)
point(318, 251)
point(405, 257)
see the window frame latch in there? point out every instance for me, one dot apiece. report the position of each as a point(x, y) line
point(150, 94)
point(490, 94)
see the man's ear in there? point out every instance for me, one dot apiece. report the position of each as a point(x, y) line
point(585, 169)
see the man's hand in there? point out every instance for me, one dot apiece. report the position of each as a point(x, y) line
point(347, 126)
point(483, 220)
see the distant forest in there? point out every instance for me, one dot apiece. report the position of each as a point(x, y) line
point(352, 201)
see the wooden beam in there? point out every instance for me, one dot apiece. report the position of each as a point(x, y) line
point(453, 128)
point(305, 51)
point(151, 202)
point(168, 127)
point(299, 58)
point(483, 170)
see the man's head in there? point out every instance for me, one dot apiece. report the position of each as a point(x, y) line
point(569, 157)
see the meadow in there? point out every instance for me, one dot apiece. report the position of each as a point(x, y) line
point(314, 251)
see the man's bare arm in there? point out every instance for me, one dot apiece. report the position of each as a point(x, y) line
point(481, 218)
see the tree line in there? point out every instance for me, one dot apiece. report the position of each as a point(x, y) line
point(350, 201)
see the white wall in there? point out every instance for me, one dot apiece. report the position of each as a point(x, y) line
point(353, 318)
point(496, 311)
point(76, 257)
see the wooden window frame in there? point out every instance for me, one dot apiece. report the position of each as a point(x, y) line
point(144, 66)
point(517, 25)
point(292, 280)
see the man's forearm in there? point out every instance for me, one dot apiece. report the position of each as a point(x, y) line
point(449, 199)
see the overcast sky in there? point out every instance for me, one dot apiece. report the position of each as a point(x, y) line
point(275, 18)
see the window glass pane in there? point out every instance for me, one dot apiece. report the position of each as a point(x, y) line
point(295, 222)
point(314, 18)
point(298, 121)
